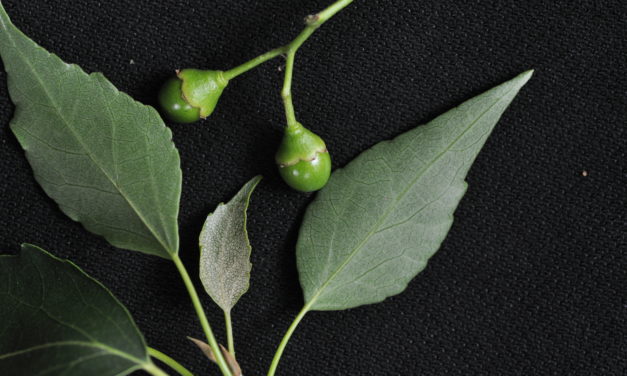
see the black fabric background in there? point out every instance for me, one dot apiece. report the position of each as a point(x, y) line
point(532, 277)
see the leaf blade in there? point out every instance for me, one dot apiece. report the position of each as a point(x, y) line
point(108, 161)
point(62, 321)
point(225, 249)
point(403, 193)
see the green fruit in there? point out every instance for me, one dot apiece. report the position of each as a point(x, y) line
point(174, 105)
point(303, 159)
point(308, 176)
point(202, 88)
point(192, 95)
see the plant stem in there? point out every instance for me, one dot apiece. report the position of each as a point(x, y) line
point(329, 12)
point(226, 371)
point(313, 22)
point(154, 370)
point(169, 361)
point(229, 332)
point(286, 338)
point(230, 74)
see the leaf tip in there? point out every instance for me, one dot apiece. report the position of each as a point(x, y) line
point(204, 347)
point(255, 181)
point(31, 247)
point(526, 75)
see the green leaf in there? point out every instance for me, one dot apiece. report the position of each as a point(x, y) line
point(108, 161)
point(380, 219)
point(225, 250)
point(56, 320)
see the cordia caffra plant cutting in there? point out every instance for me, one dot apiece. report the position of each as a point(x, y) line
point(112, 167)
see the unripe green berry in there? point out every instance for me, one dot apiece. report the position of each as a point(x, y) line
point(202, 88)
point(303, 159)
point(192, 95)
point(308, 176)
point(174, 105)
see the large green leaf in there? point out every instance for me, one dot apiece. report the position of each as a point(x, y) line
point(56, 320)
point(379, 220)
point(108, 161)
point(225, 250)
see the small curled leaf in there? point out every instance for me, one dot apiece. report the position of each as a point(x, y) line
point(230, 359)
point(225, 250)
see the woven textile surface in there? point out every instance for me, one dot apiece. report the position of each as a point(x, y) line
point(532, 278)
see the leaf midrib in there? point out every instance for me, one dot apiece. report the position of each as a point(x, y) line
point(97, 345)
point(79, 140)
point(312, 301)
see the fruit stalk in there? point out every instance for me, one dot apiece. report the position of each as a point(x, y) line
point(313, 22)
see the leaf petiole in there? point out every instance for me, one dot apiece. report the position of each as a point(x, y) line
point(169, 361)
point(201, 316)
point(229, 332)
point(154, 370)
point(286, 338)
